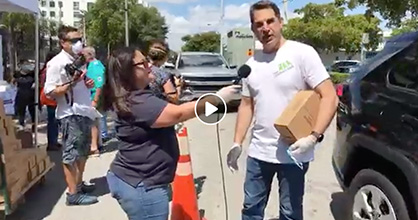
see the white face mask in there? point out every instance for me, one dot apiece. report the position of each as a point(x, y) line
point(77, 47)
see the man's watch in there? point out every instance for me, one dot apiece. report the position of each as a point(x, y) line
point(319, 137)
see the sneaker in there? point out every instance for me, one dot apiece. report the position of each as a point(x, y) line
point(80, 199)
point(86, 188)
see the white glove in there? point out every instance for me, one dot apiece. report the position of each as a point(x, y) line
point(232, 157)
point(178, 127)
point(303, 145)
point(227, 93)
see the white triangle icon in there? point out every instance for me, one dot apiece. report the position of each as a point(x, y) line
point(209, 109)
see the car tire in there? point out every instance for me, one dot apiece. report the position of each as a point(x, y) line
point(377, 183)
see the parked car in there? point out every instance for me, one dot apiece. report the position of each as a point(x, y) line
point(344, 66)
point(375, 157)
point(203, 72)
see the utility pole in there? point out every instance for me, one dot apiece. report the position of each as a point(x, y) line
point(126, 24)
point(285, 10)
point(221, 24)
point(83, 13)
point(60, 12)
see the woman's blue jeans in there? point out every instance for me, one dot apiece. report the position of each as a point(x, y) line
point(140, 202)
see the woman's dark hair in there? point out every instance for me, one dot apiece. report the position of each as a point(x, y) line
point(120, 80)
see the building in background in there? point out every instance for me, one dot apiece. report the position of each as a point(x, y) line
point(240, 46)
point(69, 12)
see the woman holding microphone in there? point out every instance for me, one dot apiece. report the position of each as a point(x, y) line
point(146, 162)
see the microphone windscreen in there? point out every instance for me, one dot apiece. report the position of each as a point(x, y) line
point(244, 71)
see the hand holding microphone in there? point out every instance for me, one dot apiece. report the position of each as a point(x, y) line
point(228, 93)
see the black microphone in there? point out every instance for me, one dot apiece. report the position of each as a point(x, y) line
point(243, 72)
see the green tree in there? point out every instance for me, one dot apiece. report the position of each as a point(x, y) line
point(394, 11)
point(407, 25)
point(21, 29)
point(105, 24)
point(325, 27)
point(206, 42)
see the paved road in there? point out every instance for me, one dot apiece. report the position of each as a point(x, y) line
point(323, 198)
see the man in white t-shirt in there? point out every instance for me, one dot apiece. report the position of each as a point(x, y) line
point(75, 113)
point(283, 68)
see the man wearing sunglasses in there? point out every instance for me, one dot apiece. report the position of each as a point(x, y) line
point(76, 116)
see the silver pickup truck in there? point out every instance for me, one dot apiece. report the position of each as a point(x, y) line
point(203, 72)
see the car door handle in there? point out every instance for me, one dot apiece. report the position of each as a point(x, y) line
point(410, 120)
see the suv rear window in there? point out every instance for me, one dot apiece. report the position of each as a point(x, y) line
point(404, 71)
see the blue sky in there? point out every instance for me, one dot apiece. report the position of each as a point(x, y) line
point(193, 16)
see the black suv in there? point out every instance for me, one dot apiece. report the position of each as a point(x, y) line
point(376, 153)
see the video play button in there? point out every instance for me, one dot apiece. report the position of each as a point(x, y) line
point(213, 113)
point(210, 109)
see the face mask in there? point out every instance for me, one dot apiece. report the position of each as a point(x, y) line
point(77, 47)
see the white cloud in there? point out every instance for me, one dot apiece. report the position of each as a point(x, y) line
point(237, 12)
point(203, 18)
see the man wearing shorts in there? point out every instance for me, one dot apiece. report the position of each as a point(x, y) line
point(75, 112)
point(96, 71)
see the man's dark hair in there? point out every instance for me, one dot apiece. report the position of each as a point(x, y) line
point(264, 4)
point(64, 30)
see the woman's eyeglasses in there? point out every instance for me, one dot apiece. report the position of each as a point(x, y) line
point(144, 64)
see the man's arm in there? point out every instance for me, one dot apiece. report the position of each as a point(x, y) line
point(244, 118)
point(317, 77)
point(98, 83)
point(327, 107)
point(53, 85)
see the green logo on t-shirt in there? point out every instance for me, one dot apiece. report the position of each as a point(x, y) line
point(284, 66)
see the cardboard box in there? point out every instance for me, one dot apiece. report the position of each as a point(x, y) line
point(41, 166)
point(2, 111)
point(33, 173)
point(18, 176)
point(41, 154)
point(299, 117)
point(11, 148)
point(26, 138)
point(15, 163)
point(7, 127)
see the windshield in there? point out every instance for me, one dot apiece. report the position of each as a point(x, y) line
point(201, 60)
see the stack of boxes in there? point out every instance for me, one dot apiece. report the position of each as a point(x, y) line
point(22, 165)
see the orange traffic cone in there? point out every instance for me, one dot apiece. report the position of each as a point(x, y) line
point(184, 203)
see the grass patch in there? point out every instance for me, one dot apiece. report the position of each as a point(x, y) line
point(339, 77)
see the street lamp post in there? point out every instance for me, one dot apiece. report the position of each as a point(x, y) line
point(83, 13)
point(221, 46)
point(126, 24)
